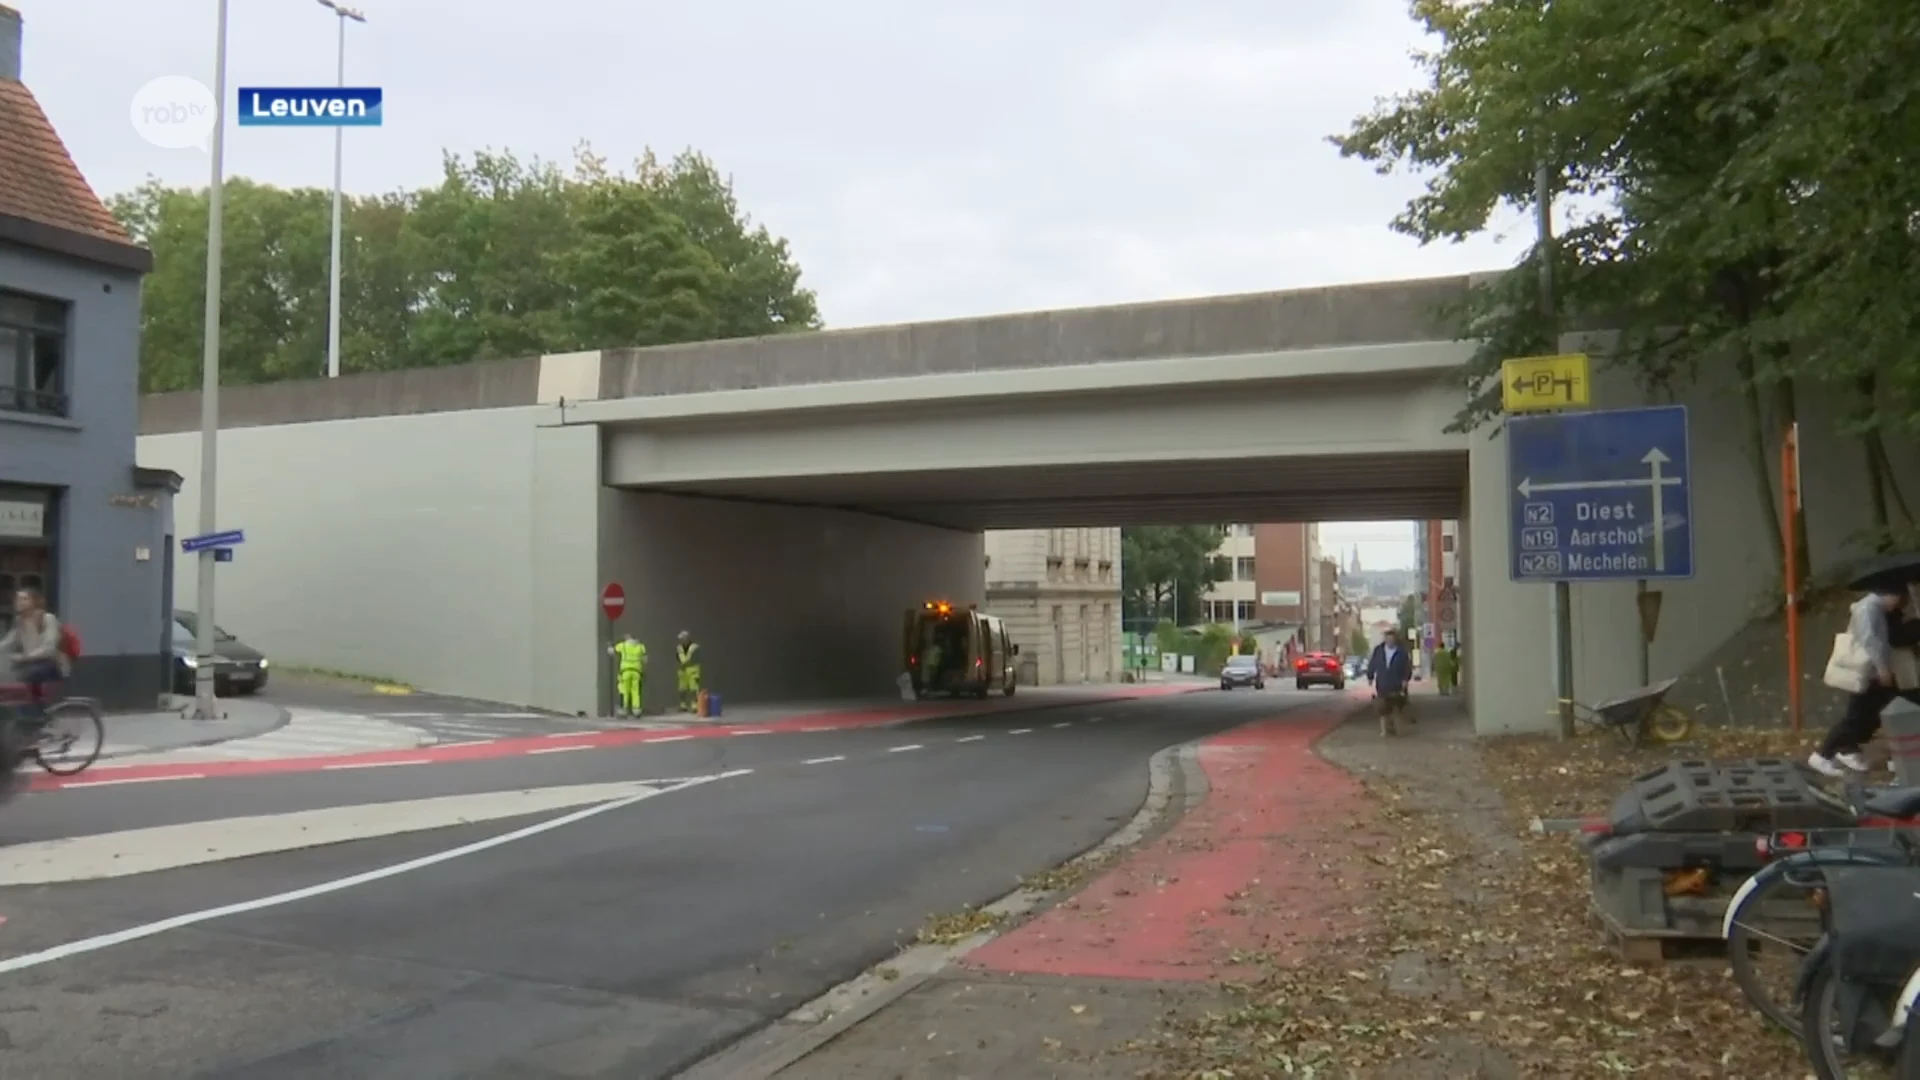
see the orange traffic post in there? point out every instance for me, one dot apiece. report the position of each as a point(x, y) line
point(1790, 503)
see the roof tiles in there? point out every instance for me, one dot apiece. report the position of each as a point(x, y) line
point(38, 179)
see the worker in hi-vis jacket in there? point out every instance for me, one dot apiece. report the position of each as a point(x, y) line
point(688, 654)
point(633, 673)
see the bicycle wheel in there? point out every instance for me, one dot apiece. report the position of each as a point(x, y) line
point(1669, 724)
point(71, 737)
point(1822, 1039)
point(1778, 927)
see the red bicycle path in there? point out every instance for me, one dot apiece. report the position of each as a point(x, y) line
point(1251, 869)
point(515, 747)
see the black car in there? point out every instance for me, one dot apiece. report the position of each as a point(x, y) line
point(1242, 671)
point(239, 668)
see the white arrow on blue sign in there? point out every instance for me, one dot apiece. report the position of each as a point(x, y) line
point(1600, 496)
point(230, 538)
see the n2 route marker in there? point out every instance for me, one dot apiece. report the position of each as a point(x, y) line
point(1600, 496)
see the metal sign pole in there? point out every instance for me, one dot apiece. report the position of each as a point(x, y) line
point(205, 708)
point(1562, 590)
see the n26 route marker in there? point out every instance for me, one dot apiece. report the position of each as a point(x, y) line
point(1600, 496)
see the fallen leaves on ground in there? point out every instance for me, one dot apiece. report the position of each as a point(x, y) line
point(954, 928)
point(1476, 955)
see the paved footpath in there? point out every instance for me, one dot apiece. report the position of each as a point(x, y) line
point(1267, 864)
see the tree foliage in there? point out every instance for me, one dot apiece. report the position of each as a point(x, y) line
point(501, 258)
point(1165, 570)
point(1357, 642)
point(1742, 201)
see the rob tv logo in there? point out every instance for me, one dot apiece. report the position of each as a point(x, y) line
point(298, 106)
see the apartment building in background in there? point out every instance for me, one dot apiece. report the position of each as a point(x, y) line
point(1059, 592)
point(1278, 585)
point(1437, 580)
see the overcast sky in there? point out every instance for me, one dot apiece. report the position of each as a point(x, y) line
point(926, 160)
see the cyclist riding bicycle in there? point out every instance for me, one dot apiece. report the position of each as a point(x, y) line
point(36, 649)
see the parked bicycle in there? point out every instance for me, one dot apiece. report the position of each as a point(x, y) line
point(1775, 917)
point(66, 737)
point(1858, 986)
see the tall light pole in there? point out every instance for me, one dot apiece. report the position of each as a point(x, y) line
point(333, 286)
point(205, 708)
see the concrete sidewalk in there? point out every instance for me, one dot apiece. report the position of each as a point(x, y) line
point(1266, 866)
point(139, 734)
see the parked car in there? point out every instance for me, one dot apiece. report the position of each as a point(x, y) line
point(238, 667)
point(1242, 671)
point(1319, 669)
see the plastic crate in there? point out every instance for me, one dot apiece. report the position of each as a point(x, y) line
point(1755, 795)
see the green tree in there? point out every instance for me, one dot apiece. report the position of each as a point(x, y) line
point(1165, 569)
point(1681, 130)
point(1357, 642)
point(503, 257)
point(1409, 617)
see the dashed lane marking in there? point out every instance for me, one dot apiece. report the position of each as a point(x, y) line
point(904, 749)
point(1021, 731)
point(377, 764)
point(971, 738)
point(825, 760)
point(1064, 723)
point(668, 738)
point(134, 780)
point(558, 749)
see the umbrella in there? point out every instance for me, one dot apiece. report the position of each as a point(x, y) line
point(1897, 571)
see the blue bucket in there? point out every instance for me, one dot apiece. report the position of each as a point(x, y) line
point(713, 704)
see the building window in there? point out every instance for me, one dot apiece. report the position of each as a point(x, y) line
point(33, 354)
point(1243, 568)
point(1246, 611)
point(1446, 542)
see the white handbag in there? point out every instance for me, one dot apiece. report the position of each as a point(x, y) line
point(1848, 669)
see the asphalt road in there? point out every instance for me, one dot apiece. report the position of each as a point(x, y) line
point(626, 944)
point(447, 719)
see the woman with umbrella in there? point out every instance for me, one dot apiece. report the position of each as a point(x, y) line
point(1877, 625)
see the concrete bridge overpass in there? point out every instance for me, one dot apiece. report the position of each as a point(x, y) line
point(786, 498)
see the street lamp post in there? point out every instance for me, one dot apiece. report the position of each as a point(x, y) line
point(204, 705)
point(333, 286)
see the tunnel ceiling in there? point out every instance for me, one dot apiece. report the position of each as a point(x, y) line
point(1381, 487)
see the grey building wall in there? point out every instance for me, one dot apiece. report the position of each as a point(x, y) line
point(786, 602)
point(405, 547)
point(110, 580)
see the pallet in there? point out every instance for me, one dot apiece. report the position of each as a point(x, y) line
point(1657, 949)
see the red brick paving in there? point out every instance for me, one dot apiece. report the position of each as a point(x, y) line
point(1270, 862)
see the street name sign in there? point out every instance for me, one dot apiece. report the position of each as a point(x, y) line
point(1600, 496)
point(1532, 383)
point(230, 538)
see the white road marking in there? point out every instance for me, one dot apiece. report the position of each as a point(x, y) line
point(971, 738)
point(166, 847)
point(561, 734)
point(378, 764)
point(753, 731)
point(668, 738)
point(136, 933)
point(825, 760)
point(1064, 723)
point(1021, 731)
point(811, 730)
point(475, 742)
point(904, 749)
point(1095, 719)
point(558, 749)
point(130, 780)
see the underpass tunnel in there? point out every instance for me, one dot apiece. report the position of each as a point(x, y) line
point(795, 586)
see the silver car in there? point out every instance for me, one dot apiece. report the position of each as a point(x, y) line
point(1242, 671)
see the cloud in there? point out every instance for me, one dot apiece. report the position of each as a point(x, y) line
point(926, 161)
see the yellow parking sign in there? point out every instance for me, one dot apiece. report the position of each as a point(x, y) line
point(1532, 383)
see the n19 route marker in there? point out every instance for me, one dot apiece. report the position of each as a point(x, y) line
point(1600, 496)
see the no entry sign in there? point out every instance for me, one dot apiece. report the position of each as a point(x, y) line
point(613, 600)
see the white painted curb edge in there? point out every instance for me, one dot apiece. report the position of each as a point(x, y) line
point(1173, 772)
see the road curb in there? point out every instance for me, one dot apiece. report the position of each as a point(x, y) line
point(1175, 785)
point(281, 720)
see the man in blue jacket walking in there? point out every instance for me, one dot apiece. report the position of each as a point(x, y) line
point(1390, 670)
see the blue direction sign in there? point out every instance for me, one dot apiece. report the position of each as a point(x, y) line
point(1600, 496)
point(230, 538)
